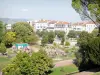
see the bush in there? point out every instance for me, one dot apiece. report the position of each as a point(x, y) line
point(88, 54)
point(54, 44)
point(24, 64)
point(62, 41)
point(44, 40)
point(51, 36)
point(67, 43)
point(2, 48)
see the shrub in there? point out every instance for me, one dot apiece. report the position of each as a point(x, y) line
point(67, 43)
point(88, 54)
point(54, 44)
point(24, 64)
point(2, 48)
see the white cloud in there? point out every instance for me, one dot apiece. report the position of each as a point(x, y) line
point(24, 9)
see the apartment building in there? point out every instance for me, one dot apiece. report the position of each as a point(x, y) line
point(52, 25)
point(83, 26)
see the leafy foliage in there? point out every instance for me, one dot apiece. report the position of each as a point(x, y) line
point(83, 6)
point(9, 38)
point(24, 64)
point(60, 34)
point(1, 30)
point(84, 37)
point(72, 34)
point(94, 50)
point(41, 33)
point(88, 54)
point(2, 48)
point(62, 40)
point(44, 40)
point(95, 32)
point(67, 43)
point(24, 32)
point(51, 37)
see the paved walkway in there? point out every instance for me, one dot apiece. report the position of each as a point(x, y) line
point(63, 63)
point(0, 73)
point(69, 62)
point(84, 73)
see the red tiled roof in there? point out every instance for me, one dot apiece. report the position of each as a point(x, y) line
point(82, 23)
point(62, 22)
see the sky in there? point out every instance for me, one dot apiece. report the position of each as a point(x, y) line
point(39, 9)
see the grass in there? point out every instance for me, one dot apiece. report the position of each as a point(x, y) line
point(64, 70)
point(98, 73)
point(3, 62)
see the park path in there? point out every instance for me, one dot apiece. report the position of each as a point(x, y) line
point(0, 73)
point(69, 62)
point(84, 73)
point(63, 63)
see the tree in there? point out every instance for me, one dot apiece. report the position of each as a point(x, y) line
point(9, 38)
point(41, 33)
point(2, 48)
point(72, 34)
point(94, 50)
point(24, 64)
point(62, 41)
point(44, 40)
point(42, 63)
point(87, 56)
point(24, 32)
point(60, 34)
point(84, 37)
point(95, 32)
point(93, 6)
point(51, 37)
point(1, 30)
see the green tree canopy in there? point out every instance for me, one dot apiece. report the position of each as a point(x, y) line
point(51, 36)
point(44, 40)
point(83, 6)
point(24, 32)
point(24, 64)
point(2, 48)
point(1, 30)
point(95, 32)
point(84, 37)
point(9, 38)
point(72, 34)
point(60, 34)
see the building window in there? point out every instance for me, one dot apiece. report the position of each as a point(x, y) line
point(78, 29)
point(74, 28)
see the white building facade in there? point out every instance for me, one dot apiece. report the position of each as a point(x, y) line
point(52, 25)
point(83, 26)
point(8, 26)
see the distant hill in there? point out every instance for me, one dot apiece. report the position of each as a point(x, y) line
point(12, 20)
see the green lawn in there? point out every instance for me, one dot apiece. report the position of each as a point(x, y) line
point(64, 70)
point(97, 73)
point(3, 62)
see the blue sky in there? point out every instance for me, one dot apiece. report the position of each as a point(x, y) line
point(39, 9)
